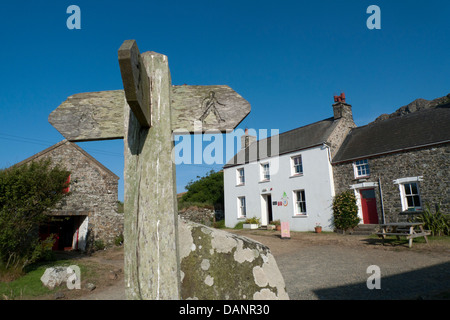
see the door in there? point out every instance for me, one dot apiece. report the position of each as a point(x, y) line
point(369, 206)
point(266, 209)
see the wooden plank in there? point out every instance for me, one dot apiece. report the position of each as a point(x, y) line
point(99, 115)
point(90, 116)
point(417, 235)
point(392, 234)
point(135, 82)
point(216, 107)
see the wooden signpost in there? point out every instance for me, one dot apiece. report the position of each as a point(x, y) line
point(145, 114)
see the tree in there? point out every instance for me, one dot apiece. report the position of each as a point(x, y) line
point(206, 190)
point(26, 193)
point(345, 211)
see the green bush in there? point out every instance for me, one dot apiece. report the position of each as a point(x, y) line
point(99, 245)
point(26, 193)
point(252, 220)
point(219, 224)
point(345, 211)
point(438, 223)
point(275, 222)
point(239, 225)
point(118, 241)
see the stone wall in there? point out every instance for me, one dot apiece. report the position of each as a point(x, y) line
point(203, 215)
point(93, 192)
point(431, 163)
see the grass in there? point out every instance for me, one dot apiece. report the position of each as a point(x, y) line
point(433, 240)
point(29, 285)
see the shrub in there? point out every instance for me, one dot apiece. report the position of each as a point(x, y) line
point(345, 211)
point(99, 245)
point(118, 241)
point(275, 222)
point(253, 220)
point(26, 193)
point(219, 224)
point(438, 223)
point(239, 225)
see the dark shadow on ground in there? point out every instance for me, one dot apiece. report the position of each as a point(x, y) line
point(427, 283)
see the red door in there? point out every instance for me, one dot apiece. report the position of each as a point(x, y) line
point(369, 206)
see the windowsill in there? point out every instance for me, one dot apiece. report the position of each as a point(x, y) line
point(300, 216)
point(240, 185)
point(362, 177)
point(296, 175)
point(242, 218)
point(263, 181)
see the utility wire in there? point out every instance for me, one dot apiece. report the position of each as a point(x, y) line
point(11, 137)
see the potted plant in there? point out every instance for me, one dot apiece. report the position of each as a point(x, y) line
point(318, 228)
point(251, 223)
point(277, 224)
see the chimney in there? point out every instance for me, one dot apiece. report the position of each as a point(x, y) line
point(247, 140)
point(341, 109)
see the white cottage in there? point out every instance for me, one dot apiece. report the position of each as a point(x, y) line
point(287, 177)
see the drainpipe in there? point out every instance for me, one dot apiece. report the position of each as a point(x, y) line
point(381, 200)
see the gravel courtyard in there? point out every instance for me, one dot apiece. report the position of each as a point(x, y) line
point(331, 266)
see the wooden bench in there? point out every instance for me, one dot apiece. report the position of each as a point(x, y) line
point(405, 229)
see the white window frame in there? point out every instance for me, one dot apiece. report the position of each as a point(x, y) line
point(242, 207)
point(263, 172)
point(240, 179)
point(365, 165)
point(403, 197)
point(298, 213)
point(293, 165)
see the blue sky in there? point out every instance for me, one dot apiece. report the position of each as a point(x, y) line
point(287, 58)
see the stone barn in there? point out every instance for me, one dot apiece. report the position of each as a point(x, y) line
point(90, 212)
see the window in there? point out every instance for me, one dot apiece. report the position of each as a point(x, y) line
point(411, 196)
point(240, 176)
point(297, 166)
point(265, 171)
point(410, 192)
point(242, 211)
point(361, 168)
point(300, 202)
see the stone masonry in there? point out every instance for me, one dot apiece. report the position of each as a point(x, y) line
point(431, 163)
point(93, 191)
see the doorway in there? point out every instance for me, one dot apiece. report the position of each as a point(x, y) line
point(66, 231)
point(266, 214)
point(369, 206)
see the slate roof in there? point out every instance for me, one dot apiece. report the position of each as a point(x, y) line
point(297, 139)
point(410, 131)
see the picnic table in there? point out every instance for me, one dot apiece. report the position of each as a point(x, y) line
point(410, 230)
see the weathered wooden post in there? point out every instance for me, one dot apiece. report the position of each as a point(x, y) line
point(152, 266)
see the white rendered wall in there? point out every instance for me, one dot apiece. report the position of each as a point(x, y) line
point(316, 181)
